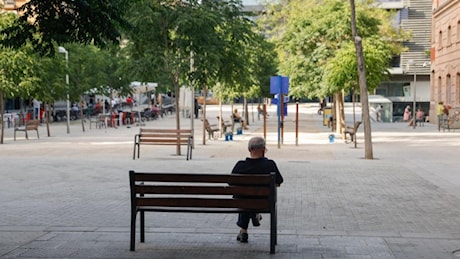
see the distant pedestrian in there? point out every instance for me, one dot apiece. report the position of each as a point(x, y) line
point(440, 113)
point(407, 114)
point(378, 113)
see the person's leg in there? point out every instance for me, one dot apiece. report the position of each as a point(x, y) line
point(243, 223)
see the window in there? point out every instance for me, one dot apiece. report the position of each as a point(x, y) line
point(457, 89)
point(449, 35)
point(440, 40)
point(458, 31)
point(439, 88)
point(448, 87)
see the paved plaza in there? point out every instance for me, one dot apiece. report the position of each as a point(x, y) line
point(67, 195)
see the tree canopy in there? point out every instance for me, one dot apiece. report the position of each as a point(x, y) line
point(45, 23)
point(314, 38)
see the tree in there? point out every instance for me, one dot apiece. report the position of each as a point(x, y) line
point(45, 23)
point(17, 70)
point(215, 32)
point(313, 34)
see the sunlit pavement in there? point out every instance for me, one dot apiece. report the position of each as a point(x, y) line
point(67, 195)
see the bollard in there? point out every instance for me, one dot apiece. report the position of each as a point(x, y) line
point(331, 138)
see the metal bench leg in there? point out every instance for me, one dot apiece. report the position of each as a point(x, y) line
point(142, 226)
point(133, 231)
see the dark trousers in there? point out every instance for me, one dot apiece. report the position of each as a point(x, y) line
point(244, 218)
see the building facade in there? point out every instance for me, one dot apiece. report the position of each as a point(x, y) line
point(445, 53)
point(410, 71)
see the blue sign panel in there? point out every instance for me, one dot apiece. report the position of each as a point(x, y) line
point(284, 85)
point(274, 84)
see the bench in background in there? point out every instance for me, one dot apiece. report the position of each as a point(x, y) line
point(31, 125)
point(352, 131)
point(202, 193)
point(211, 129)
point(163, 137)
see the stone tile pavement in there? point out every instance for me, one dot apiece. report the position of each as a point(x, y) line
point(67, 195)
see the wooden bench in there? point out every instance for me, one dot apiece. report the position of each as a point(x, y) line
point(163, 137)
point(98, 121)
point(202, 193)
point(210, 129)
point(352, 131)
point(29, 126)
point(224, 124)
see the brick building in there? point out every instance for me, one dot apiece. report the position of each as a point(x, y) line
point(445, 54)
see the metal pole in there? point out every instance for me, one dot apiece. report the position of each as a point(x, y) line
point(68, 97)
point(297, 123)
point(415, 94)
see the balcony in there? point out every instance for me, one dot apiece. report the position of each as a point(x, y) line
point(390, 4)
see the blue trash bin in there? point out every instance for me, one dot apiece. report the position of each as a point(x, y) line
point(331, 138)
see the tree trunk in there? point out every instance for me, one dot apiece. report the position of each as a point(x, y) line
point(205, 93)
point(81, 114)
point(2, 112)
point(368, 154)
point(176, 100)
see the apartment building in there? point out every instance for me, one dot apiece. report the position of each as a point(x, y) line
point(410, 71)
point(445, 53)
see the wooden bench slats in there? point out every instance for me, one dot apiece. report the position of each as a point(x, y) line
point(166, 135)
point(199, 210)
point(160, 130)
point(254, 204)
point(235, 179)
point(163, 137)
point(203, 190)
point(202, 193)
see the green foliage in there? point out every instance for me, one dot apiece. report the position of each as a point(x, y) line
point(18, 67)
point(341, 71)
point(43, 23)
point(225, 47)
point(314, 44)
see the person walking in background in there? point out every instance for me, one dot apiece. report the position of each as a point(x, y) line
point(407, 114)
point(378, 113)
point(256, 163)
point(440, 113)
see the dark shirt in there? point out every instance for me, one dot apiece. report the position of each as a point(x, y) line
point(258, 166)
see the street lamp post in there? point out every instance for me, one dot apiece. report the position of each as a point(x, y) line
point(63, 50)
point(411, 62)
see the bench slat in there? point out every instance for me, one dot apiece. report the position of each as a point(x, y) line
point(235, 179)
point(204, 190)
point(200, 210)
point(253, 204)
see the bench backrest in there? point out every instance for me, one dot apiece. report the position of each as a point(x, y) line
point(165, 136)
point(219, 192)
point(32, 124)
point(207, 126)
point(357, 123)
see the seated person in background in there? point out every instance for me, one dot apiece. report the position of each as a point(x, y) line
point(419, 115)
point(238, 119)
